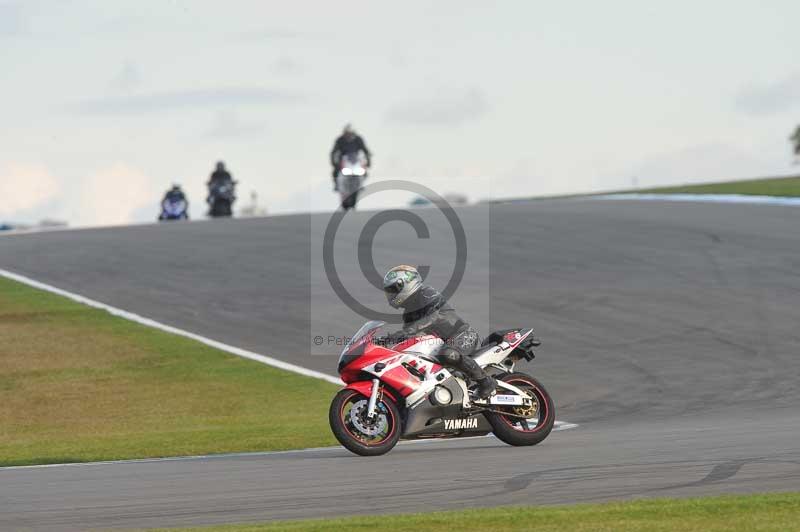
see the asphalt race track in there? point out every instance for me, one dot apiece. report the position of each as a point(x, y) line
point(671, 336)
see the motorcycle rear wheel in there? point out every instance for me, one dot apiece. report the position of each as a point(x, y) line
point(348, 426)
point(519, 431)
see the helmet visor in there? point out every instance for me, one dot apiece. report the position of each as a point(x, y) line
point(394, 288)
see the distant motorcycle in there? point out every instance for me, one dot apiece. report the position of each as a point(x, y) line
point(351, 175)
point(221, 196)
point(174, 209)
point(402, 392)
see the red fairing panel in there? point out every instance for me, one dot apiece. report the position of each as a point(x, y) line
point(401, 380)
point(372, 354)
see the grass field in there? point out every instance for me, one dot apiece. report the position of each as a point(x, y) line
point(77, 384)
point(764, 513)
point(781, 186)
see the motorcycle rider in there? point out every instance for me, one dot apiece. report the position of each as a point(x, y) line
point(425, 311)
point(349, 142)
point(218, 177)
point(175, 194)
point(220, 174)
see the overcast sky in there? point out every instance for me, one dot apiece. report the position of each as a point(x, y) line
point(105, 104)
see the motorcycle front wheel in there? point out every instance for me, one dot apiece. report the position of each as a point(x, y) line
point(524, 425)
point(359, 434)
point(350, 201)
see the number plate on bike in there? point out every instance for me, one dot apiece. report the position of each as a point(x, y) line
point(506, 400)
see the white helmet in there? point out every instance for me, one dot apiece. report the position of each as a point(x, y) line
point(400, 283)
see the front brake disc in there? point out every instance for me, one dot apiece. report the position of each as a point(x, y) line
point(358, 418)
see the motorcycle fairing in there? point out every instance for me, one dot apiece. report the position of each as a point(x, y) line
point(410, 375)
point(496, 353)
point(426, 420)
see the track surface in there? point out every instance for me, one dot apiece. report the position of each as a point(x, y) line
point(670, 335)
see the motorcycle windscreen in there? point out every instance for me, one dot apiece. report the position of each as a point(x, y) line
point(355, 346)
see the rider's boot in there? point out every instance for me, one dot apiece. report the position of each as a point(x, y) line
point(486, 384)
point(486, 387)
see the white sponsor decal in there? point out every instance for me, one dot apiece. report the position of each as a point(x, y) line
point(462, 423)
point(505, 398)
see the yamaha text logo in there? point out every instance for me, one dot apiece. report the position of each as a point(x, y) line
point(461, 423)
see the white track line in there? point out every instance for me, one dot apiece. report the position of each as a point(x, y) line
point(558, 426)
point(274, 362)
point(704, 198)
point(64, 228)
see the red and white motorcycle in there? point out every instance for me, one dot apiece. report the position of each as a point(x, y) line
point(402, 392)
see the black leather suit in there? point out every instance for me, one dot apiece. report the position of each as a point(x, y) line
point(428, 312)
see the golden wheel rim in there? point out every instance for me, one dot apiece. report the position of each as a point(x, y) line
point(528, 411)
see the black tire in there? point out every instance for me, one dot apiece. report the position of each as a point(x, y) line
point(349, 438)
point(505, 427)
point(220, 208)
point(350, 201)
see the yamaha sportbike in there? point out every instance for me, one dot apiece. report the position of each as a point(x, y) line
point(351, 175)
point(403, 392)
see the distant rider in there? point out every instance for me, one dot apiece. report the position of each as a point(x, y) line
point(219, 176)
point(426, 311)
point(175, 194)
point(348, 143)
point(220, 173)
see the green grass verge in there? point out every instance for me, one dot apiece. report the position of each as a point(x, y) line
point(78, 384)
point(775, 512)
point(778, 186)
point(770, 186)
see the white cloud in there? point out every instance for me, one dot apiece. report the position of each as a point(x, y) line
point(114, 195)
point(447, 107)
point(12, 19)
point(777, 97)
point(702, 163)
point(187, 99)
point(25, 186)
point(128, 78)
point(228, 124)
